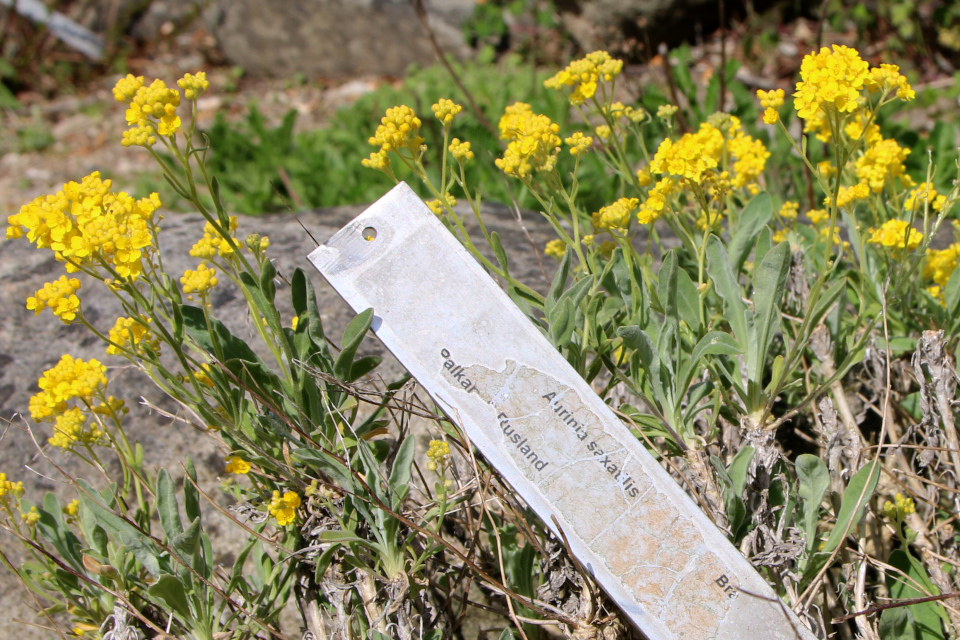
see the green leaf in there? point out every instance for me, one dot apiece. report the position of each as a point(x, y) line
point(753, 218)
point(637, 339)
point(914, 582)
point(363, 366)
point(267, 273)
point(714, 343)
point(562, 319)
point(498, 251)
point(897, 624)
point(764, 242)
point(167, 505)
point(187, 543)
point(298, 292)
point(170, 590)
point(951, 294)
point(352, 336)
point(826, 301)
point(667, 286)
point(728, 288)
point(191, 495)
point(814, 479)
point(688, 300)
point(739, 467)
point(402, 464)
point(769, 281)
point(855, 499)
point(559, 282)
point(122, 531)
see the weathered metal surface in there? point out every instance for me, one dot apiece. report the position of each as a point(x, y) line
point(491, 370)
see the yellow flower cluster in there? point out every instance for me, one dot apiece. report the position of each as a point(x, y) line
point(132, 333)
point(941, 264)
point(256, 243)
point(854, 131)
point(212, 244)
point(696, 156)
point(199, 281)
point(897, 510)
point(460, 151)
point(771, 101)
point(439, 207)
point(896, 234)
point(438, 454)
point(789, 210)
point(656, 204)
point(534, 143)
point(86, 224)
point(60, 296)
point(399, 129)
point(667, 111)
point(579, 144)
point(881, 163)
point(193, 85)
point(923, 196)
point(31, 517)
point(284, 508)
point(816, 216)
point(615, 216)
point(378, 160)
point(830, 79)
point(445, 110)
point(8, 488)
point(848, 195)
point(71, 428)
point(68, 379)
point(152, 109)
point(555, 248)
point(585, 74)
point(887, 77)
point(237, 465)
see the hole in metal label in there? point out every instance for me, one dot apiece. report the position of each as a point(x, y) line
point(369, 234)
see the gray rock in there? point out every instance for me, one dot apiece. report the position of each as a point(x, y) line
point(29, 345)
point(333, 38)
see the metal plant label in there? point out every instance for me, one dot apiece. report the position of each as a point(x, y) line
point(540, 424)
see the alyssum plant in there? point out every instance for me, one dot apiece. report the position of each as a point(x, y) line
point(722, 353)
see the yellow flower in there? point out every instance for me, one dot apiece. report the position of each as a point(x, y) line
point(603, 132)
point(712, 220)
point(131, 332)
point(295, 322)
point(826, 169)
point(635, 116)
point(902, 507)
point(579, 144)
point(199, 281)
point(534, 143)
point(585, 74)
point(644, 177)
point(213, 244)
point(780, 235)
point(690, 157)
point(72, 509)
point(896, 234)
point(256, 243)
point(438, 454)
point(8, 488)
point(816, 216)
point(237, 465)
point(399, 129)
point(941, 264)
point(849, 195)
point(789, 210)
point(656, 204)
point(555, 248)
point(71, 428)
point(70, 378)
point(439, 207)
point(126, 88)
point(460, 151)
point(922, 196)
point(615, 216)
point(445, 110)
point(887, 77)
point(830, 79)
point(854, 131)
point(881, 163)
point(193, 85)
point(666, 111)
point(818, 125)
point(31, 518)
point(60, 296)
point(378, 160)
point(284, 508)
point(771, 101)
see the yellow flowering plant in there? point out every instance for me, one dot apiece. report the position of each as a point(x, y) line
point(656, 301)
